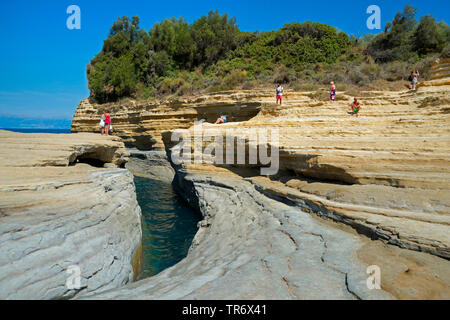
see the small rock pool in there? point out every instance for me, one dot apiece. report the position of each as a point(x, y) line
point(168, 225)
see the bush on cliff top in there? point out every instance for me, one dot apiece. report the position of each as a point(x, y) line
point(212, 54)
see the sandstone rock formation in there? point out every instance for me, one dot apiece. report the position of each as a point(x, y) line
point(139, 124)
point(150, 164)
point(440, 74)
point(65, 202)
point(385, 171)
point(384, 174)
point(252, 247)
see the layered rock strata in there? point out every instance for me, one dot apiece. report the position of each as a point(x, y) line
point(439, 75)
point(139, 124)
point(383, 175)
point(386, 171)
point(250, 246)
point(150, 164)
point(66, 206)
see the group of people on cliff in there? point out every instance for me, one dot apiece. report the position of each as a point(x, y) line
point(106, 127)
point(105, 123)
point(355, 105)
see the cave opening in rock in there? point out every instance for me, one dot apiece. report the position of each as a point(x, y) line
point(236, 112)
point(92, 161)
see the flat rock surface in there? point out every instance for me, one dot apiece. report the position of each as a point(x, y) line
point(54, 216)
point(43, 150)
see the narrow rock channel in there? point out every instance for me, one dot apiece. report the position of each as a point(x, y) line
point(249, 246)
point(168, 225)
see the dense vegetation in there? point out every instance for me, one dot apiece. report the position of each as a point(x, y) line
point(212, 54)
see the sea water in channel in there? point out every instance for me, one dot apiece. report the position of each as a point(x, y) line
point(168, 225)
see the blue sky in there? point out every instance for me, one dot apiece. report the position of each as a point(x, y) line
point(42, 63)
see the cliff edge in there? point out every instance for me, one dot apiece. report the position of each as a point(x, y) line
point(67, 209)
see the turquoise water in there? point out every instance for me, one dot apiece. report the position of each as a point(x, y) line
point(168, 225)
point(33, 130)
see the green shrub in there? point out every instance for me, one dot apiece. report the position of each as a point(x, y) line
point(171, 85)
point(445, 52)
point(248, 85)
point(309, 86)
point(233, 79)
point(397, 70)
point(430, 37)
point(212, 54)
point(144, 92)
point(185, 89)
point(284, 75)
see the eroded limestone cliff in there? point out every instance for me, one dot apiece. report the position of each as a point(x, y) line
point(64, 201)
point(383, 175)
point(140, 124)
point(440, 74)
point(386, 171)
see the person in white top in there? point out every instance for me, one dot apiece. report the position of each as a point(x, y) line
point(280, 90)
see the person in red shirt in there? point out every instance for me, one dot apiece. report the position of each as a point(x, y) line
point(107, 118)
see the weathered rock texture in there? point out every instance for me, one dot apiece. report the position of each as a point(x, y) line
point(139, 124)
point(384, 173)
point(252, 247)
point(440, 74)
point(150, 164)
point(57, 212)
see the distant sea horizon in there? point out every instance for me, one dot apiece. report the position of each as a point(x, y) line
point(38, 130)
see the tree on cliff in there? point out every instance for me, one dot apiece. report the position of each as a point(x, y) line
point(175, 57)
point(395, 43)
point(430, 36)
point(114, 72)
point(214, 36)
point(130, 55)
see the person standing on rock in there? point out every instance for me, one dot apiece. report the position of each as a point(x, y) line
point(333, 91)
point(280, 91)
point(107, 116)
point(414, 79)
point(102, 124)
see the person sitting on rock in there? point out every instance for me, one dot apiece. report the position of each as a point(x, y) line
point(221, 119)
point(355, 106)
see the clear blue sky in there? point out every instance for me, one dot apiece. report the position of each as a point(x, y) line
point(42, 63)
